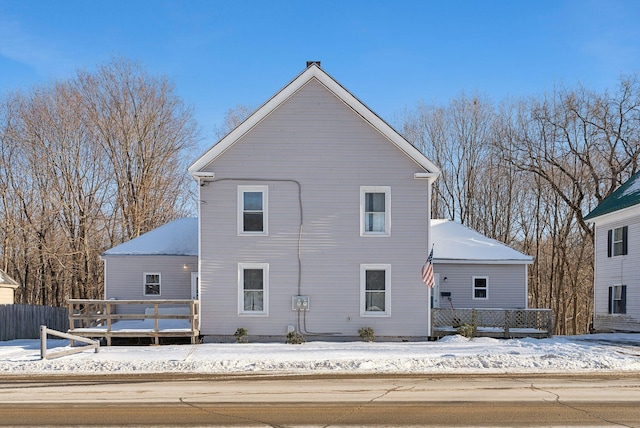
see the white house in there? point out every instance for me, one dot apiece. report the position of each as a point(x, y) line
point(160, 264)
point(617, 259)
point(314, 217)
point(7, 288)
point(473, 271)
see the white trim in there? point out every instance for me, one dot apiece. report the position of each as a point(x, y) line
point(431, 176)
point(613, 299)
point(265, 289)
point(195, 286)
point(473, 287)
point(144, 283)
point(265, 209)
point(614, 242)
point(387, 210)
point(387, 289)
point(313, 72)
point(526, 288)
point(615, 216)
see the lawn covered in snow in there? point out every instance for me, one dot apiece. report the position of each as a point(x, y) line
point(452, 354)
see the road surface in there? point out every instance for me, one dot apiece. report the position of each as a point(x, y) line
point(411, 400)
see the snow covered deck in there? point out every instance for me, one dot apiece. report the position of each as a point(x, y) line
point(150, 318)
point(506, 323)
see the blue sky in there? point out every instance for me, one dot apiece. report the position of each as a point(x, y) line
point(390, 54)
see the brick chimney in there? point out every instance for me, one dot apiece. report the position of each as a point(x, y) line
point(310, 63)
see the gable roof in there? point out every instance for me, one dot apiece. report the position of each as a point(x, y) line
point(176, 238)
point(624, 196)
point(456, 243)
point(313, 71)
point(6, 281)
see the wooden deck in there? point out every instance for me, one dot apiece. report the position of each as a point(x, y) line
point(500, 323)
point(137, 318)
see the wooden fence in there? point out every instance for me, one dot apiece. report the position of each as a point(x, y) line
point(46, 354)
point(507, 323)
point(24, 321)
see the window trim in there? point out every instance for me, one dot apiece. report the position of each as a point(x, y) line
point(387, 289)
point(264, 189)
point(144, 283)
point(265, 289)
point(611, 242)
point(474, 287)
point(387, 210)
point(623, 299)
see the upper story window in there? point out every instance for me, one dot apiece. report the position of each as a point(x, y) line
point(480, 287)
point(252, 210)
point(253, 288)
point(617, 241)
point(151, 284)
point(375, 211)
point(618, 299)
point(375, 291)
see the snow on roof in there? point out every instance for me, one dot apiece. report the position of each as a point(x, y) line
point(455, 242)
point(7, 281)
point(625, 196)
point(176, 238)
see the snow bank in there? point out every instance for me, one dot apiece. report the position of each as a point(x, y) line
point(453, 354)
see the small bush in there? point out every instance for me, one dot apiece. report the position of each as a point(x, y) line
point(295, 338)
point(466, 330)
point(366, 333)
point(241, 334)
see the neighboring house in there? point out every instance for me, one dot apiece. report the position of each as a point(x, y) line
point(617, 259)
point(7, 288)
point(161, 264)
point(473, 271)
point(314, 216)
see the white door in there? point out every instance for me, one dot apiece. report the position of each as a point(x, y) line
point(195, 286)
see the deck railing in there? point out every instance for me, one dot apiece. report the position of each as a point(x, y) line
point(493, 322)
point(101, 318)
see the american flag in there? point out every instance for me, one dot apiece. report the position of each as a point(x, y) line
point(427, 271)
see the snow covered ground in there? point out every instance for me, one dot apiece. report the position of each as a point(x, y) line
point(598, 353)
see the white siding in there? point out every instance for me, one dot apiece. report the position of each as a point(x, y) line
point(124, 276)
point(319, 142)
point(6, 295)
point(618, 270)
point(506, 289)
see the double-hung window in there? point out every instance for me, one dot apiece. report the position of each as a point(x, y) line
point(252, 210)
point(253, 289)
point(618, 299)
point(480, 287)
point(151, 284)
point(375, 211)
point(617, 241)
point(375, 290)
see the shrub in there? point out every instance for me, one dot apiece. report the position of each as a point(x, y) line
point(241, 334)
point(366, 333)
point(466, 330)
point(295, 338)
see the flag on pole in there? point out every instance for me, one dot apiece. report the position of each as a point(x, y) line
point(427, 271)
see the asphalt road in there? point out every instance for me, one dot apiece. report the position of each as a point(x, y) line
point(488, 400)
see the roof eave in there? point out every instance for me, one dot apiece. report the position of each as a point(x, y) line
point(313, 71)
point(484, 262)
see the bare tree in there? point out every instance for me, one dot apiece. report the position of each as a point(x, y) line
point(526, 172)
point(87, 164)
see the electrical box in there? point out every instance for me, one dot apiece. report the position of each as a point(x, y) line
point(300, 303)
